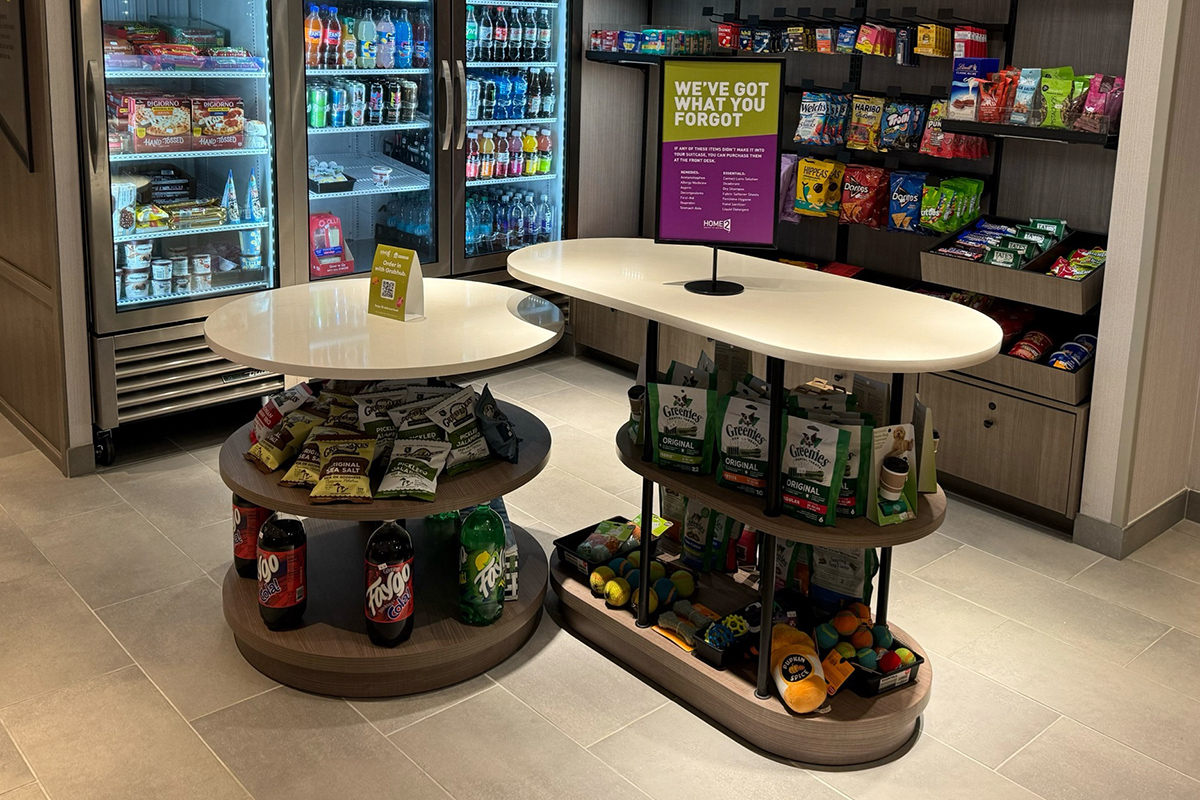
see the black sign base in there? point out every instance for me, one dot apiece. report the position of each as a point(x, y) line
point(714, 288)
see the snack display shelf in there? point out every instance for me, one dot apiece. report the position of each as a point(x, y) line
point(404, 178)
point(859, 532)
point(167, 233)
point(180, 154)
point(855, 730)
point(1108, 140)
point(310, 72)
point(522, 179)
point(625, 59)
point(503, 64)
point(527, 4)
point(184, 74)
point(500, 123)
point(420, 123)
point(262, 283)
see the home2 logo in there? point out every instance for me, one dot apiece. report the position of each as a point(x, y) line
point(718, 224)
point(268, 577)
point(390, 590)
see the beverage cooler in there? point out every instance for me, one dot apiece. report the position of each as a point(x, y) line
point(233, 146)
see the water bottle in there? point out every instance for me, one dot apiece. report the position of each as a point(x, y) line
point(520, 88)
point(470, 223)
point(486, 225)
point(516, 225)
point(504, 95)
point(545, 220)
point(531, 220)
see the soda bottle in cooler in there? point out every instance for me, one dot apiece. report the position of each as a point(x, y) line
point(388, 604)
point(530, 36)
point(488, 103)
point(331, 40)
point(481, 567)
point(529, 144)
point(487, 47)
point(421, 50)
point(533, 94)
point(282, 571)
point(516, 155)
point(545, 220)
point(520, 89)
point(248, 519)
point(472, 35)
point(545, 152)
point(472, 156)
point(366, 41)
point(348, 52)
point(375, 104)
point(487, 156)
point(385, 41)
point(544, 31)
point(548, 95)
point(314, 35)
point(503, 96)
point(500, 35)
point(404, 40)
point(516, 35)
point(501, 169)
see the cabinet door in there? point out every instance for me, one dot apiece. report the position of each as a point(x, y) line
point(1013, 446)
point(610, 331)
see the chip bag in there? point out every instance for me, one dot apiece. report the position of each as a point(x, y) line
point(816, 181)
point(413, 469)
point(277, 449)
point(864, 196)
point(904, 208)
point(456, 414)
point(345, 469)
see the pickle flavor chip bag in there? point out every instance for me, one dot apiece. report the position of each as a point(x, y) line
point(745, 426)
point(456, 414)
point(411, 421)
point(684, 429)
point(814, 463)
point(892, 495)
point(413, 469)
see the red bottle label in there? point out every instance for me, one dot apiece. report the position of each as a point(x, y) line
point(281, 577)
point(246, 522)
point(389, 592)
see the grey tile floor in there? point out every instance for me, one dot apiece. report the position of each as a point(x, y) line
point(1058, 673)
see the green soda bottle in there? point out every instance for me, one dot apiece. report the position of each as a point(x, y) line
point(443, 524)
point(481, 567)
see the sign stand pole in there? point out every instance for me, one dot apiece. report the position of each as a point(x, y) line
point(714, 287)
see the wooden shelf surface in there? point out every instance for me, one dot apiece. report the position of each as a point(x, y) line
point(860, 532)
point(330, 652)
point(856, 730)
point(494, 479)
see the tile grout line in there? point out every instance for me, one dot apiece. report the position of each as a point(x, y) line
point(573, 741)
point(64, 686)
point(1131, 747)
point(1037, 736)
point(961, 545)
point(1085, 569)
point(1147, 648)
point(236, 703)
point(817, 777)
point(408, 725)
point(664, 704)
point(144, 594)
point(4, 729)
point(954, 749)
point(399, 750)
point(1138, 611)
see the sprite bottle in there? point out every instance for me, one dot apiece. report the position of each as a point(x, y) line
point(481, 567)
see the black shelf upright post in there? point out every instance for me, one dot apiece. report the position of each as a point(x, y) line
point(643, 617)
point(773, 507)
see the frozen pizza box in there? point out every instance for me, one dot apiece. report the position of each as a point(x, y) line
point(218, 123)
point(160, 124)
point(193, 31)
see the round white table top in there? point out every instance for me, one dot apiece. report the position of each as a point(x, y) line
point(788, 312)
point(322, 330)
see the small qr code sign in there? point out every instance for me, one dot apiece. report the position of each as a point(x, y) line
point(387, 290)
point(391, 287)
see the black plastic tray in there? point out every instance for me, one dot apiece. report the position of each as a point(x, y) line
point(333, 186)
point(869, 682)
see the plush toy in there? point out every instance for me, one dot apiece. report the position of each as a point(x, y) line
point(796, 668)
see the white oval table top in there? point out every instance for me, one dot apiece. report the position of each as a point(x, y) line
point(788, 312)
point(322, 330)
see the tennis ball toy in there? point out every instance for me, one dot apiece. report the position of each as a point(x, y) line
point(860, 610)
point(666, 591)
point(867, 658)
point(846, 622)
point(652, 600)
point(617, 564)
point(684, 583)
point(889, 662)
point(827, 636)
point(633, 578)
point(862, 638)
point(616, 592)
point(635, 558)
point(846, 650)
point(657, 571)
point(882, 636)
point(599, 577)
point(906, 656)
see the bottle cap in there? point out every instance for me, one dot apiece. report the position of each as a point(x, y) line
point(545, 131)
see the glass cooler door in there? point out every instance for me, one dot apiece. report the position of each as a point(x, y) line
point(377, 85)
point(178, 102)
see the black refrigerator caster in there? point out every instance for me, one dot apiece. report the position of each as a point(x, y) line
point(106, 451)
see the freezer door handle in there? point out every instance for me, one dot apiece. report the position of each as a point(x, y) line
point(94, 126)
point(448, 120)
point(462, 92)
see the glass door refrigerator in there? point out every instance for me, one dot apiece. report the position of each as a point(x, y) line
point(511, 133)
point(176, 102)
point(376, 133)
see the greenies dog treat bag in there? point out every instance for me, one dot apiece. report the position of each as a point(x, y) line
point(840, 576)
point(814, 462)
point(852, 501)
point(696, 540)
point(692, 377)
point(684, 427)
point(744, 432)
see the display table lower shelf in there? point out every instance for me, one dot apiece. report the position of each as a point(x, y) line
point(857, 729)
point(331, 654)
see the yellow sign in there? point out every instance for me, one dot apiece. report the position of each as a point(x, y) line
point(390, 272)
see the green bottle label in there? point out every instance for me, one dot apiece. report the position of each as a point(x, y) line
point(481, 575)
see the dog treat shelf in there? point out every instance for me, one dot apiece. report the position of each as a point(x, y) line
point(786, 314)
point(322, 330)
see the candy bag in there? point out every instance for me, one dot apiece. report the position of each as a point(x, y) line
point(866, 115)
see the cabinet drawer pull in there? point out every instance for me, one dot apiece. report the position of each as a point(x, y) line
point(987, 423)
point(991, 406)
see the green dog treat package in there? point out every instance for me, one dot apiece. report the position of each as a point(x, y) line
point(814, 462)
point(683, 427)
point(892, 496)
point(839, 576)
point(745, 426)
point(852, 500)
point(413, 469)
point(692, 377)
point(707, 534)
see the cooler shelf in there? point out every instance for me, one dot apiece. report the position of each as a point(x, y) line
point(502, 123)
point(522, 179)
point(183, 74)
point(163, 156)
point(346, 72)
point(404, 178)
point(420, 124)
point(501, 64)
point(194, 295)
point(167, 233)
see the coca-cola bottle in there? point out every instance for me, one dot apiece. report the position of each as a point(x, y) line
point(282, 571)
point(247, 520)
point(388, 604)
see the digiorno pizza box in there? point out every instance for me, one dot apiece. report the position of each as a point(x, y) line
point(160, 124)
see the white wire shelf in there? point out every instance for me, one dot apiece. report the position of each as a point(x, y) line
point(167, 233)
point(182, 74)
point(161, 156)
point(521, 179)
point(261, 283)
point(499, 64)
point(321, 72)
point(505, 123)
point(421, 123)
point(404, 178)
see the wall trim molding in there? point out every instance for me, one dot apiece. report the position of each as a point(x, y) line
point(30, 286)
point(33, 435)
point(1115, 542)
